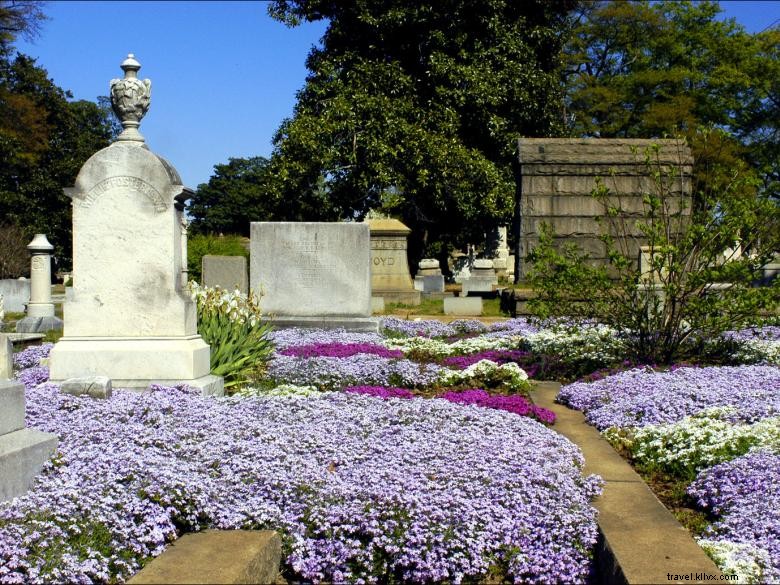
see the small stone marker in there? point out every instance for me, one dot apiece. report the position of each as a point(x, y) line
point(429, 278)
point(93, 386)
point(16, 294)
point(226, 272)
point(313, 274)
point(40, 310)
point(482, 278)
point(464, 306)
point(23, 451)
point(128, 315)
point(6, 357)
point(390, 276)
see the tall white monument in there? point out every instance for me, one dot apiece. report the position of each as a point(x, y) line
point(128, 316)
point(40, 309)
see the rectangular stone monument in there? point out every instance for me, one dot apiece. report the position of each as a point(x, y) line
point(390, 276)
point(16, 294)
point(6, 357)
point(313, 274)
point(23, 451)
point(227, 272)
point(463, 306)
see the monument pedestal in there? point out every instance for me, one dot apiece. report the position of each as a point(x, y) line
point(23, 451)
point(136, 362)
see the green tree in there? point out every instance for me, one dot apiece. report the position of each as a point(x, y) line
point(414, 108)
point(19, 18)
point(645, 69)
point(44, 140)
point(690, 291)
point(236, 194)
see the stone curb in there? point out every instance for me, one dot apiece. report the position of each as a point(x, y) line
point(640, 541)
point(217, 556)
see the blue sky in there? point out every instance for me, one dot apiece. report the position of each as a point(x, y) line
point(224, 74)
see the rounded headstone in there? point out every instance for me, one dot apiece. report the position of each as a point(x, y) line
point(483, 263)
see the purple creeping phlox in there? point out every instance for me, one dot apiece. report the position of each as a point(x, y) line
point(744, 494)
point(640, 397)
point(284, 338)
point(340, 350)
point(32, 355)
point(499, 356)
point(359, 489)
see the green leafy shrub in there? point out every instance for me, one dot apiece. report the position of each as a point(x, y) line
point(230, 323)
point(200, 245)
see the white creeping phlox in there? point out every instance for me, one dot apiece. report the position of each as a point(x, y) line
point(281, 391)
point(597, 343)
point(511, 374)
point(702, 440)
point(760, 351)
point(736, 558)
point(440, 349)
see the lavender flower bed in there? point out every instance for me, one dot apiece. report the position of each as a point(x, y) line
point(642, 396)
point(358, 488)
point(744, 495)
point(330, 373)
point(340, 350)
point(498, 356)
point(31, 356)
point(284, 338)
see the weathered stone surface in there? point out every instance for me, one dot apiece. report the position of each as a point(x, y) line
point(309, 269)
point(217, 556)
point(11, 406)
point(559, 175)
point(377, 305)
point(227, 272)
point(39, 324)
point(429, 283)
point(390, 276)
point(22, 455)
point(6, 357)
point(16, 294)
point(127, 315)
point(465, 306)
point(93, 386)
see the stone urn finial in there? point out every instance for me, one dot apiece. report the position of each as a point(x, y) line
point(130, 98)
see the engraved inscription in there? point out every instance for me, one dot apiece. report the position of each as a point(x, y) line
point(379, 260)
point(310, 269)
point(388, 244)
point(36, 263)
point(124, 182)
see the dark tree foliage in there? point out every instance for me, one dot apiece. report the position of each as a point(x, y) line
point(645, 69)
point(44, 140)
point(414, 108)
point(235, 195)
point(19, 18)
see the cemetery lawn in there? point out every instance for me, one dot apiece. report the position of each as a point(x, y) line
point(431, 307)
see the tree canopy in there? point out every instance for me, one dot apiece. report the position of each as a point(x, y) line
point(645, 69)
point(44, 136)
point(414, 109)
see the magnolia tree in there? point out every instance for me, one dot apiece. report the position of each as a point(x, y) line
point(703, 259)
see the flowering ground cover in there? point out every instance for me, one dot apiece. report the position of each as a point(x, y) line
point(359, 488)
point(717, 427)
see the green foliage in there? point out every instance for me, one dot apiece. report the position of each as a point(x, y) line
point(642, 69)
point(691, 292)
point(414, 109)
point(200, 245)
point(44, 140)
point(230, 324)
point(235, 195)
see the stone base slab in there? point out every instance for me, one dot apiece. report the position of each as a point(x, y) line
point(466, 306)
point(11, 406)
point(130, 362)
point(361, 324)
point(406, 297)
point(22, 455)
point(39, 324)
point(437, 296)
point(217, 556)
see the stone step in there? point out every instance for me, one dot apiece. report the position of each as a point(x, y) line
point(217, 556)
point(22, 455)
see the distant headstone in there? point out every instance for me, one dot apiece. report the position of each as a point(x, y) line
point(429, 278)
point(40, 310)
point(313, 274)
point(463, 306)
point(227, 272)
point(390, 276)
point(93, 386)
point(6, 357)
point(482, 279)
point(23, 451)
point(16, 294)
point(128, 316)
